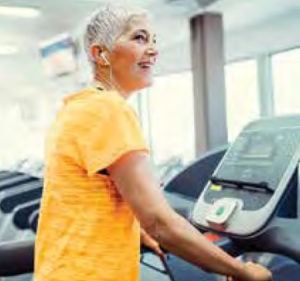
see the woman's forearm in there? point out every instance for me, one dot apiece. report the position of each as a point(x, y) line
point(181, 238)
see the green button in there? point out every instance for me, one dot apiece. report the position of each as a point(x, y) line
point(220, 211)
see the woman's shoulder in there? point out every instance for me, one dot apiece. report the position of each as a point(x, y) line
point(90, 103)
point(90, 98)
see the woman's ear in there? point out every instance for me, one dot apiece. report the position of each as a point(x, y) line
point(98, 55)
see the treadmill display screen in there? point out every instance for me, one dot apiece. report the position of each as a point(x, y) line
point(259, 158)
point(258, 147)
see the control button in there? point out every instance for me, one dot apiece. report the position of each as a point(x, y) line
point(216, 187)
point(221, 211)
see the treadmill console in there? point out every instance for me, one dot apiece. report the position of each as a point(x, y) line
point(245, 189)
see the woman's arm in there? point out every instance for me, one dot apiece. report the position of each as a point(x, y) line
point(134, 178)
point(151, 243)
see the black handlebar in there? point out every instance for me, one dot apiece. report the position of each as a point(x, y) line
point(282, 237)
point(16, 258)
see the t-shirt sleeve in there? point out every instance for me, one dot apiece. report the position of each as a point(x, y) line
point(105, 133)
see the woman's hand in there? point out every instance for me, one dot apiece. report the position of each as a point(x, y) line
point(254, 272)
point(151, 243)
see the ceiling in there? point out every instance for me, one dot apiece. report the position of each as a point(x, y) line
point(239, 14)
point(21, 74)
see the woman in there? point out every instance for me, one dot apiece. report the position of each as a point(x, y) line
point(99, 187)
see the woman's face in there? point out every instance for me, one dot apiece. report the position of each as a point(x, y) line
point(134, 55)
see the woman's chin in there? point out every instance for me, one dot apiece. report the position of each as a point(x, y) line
point(142, 87)
point(145, 83)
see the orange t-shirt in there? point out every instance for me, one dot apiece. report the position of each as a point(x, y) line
point(86, 230)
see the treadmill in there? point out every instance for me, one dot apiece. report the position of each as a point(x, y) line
point(245, 193)
point(251, 199)
point(253, 195)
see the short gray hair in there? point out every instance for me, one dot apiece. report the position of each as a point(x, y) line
point(107, 24)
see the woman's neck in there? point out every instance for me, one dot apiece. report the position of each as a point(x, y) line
point(108, 85)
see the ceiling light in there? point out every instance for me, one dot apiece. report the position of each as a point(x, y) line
point(19, 11)
point(8, 49)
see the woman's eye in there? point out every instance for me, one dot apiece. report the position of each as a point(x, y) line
point(140, 38)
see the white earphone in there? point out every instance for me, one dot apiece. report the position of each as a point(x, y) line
point(102, 55)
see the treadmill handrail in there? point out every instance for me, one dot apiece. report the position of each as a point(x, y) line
point(280, 237)
point(16, 257)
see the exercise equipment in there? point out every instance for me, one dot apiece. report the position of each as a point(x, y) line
point(22, 213)
point(251, 198)
point(252, 178)
point(14, 180)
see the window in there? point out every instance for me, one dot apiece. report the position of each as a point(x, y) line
point(286, 81)
point(242, 104)
point(171, 117)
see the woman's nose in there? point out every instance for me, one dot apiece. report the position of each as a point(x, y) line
point(152, 50)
